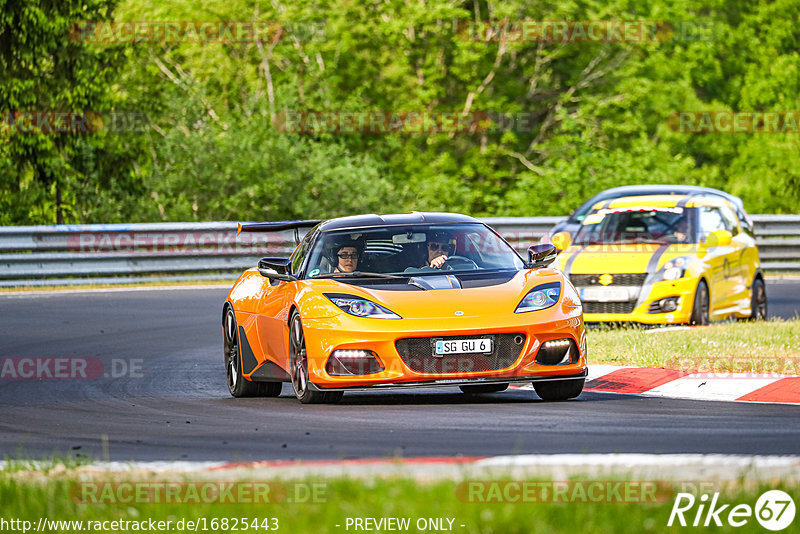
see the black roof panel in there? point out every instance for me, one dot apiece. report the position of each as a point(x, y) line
point(414, 217)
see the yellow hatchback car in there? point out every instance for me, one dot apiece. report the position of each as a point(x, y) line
point(664, 259)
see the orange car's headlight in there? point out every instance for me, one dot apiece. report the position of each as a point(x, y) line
point(540, 297)
point(360, 307)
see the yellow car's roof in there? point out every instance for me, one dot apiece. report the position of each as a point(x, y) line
point(662, 201)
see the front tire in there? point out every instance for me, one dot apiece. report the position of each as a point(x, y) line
point(238, 385)
point(700, 314)
point(559, 390)
point(758, 301)
point(298, 368)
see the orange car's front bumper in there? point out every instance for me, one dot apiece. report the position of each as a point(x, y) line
point(323, 336)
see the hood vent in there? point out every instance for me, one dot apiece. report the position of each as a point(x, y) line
point(429, 283)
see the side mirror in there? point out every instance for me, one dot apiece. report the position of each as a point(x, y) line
point(541, 256)
point(275, 269)
point(719, 238)
point(561, 240)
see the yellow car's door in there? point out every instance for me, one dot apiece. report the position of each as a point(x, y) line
point(723, 260)
point(745, 264)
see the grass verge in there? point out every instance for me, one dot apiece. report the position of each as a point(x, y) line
point(742, 347)
point(328, 507)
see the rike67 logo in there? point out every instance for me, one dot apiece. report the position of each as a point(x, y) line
point(774, 510)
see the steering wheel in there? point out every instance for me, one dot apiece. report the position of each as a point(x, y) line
point(461, 262)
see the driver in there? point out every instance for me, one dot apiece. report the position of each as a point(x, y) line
point(440, 246)
point(344, 255)
point(681, 232)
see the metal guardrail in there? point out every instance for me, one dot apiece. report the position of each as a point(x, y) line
point(120, 253)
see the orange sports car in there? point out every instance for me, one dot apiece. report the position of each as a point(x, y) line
point(408, 300)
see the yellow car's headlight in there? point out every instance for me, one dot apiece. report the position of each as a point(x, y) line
point(673, 269)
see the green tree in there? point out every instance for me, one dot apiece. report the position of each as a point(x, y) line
point(46, 71)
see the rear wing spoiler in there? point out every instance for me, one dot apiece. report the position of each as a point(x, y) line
point(277, 227)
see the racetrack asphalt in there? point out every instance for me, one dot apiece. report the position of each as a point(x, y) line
point(175, 406)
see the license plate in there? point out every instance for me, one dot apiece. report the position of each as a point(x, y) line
point(604, 294)
point(462, 346)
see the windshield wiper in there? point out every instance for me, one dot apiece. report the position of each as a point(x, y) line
point(357, 274)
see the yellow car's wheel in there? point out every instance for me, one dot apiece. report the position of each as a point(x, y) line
point(758, 301)
point(700, 308)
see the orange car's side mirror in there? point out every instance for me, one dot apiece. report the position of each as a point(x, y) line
point(275, 269)
point(541, 256)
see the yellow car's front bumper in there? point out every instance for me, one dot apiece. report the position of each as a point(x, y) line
point(646, 309)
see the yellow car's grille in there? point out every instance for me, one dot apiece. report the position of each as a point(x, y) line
point(609, 307)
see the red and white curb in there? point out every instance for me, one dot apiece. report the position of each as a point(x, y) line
point(747, 387)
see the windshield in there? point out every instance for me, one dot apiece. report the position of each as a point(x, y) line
point(418, 249)
point(639, 224)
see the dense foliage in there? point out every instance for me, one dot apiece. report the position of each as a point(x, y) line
point(591, 115)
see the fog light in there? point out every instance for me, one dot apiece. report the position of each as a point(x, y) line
point(666, 305)
point(669, 304)
point(558, 352)
point(347, 362)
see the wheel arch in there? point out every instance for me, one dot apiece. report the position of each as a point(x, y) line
point(702, 278)
point(225, 307)
point(294, 308)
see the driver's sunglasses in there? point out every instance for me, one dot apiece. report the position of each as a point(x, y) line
point(346, 256)
point(444, 247)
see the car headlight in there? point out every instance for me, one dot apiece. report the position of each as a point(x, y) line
point(673, 269)
point(360, 307)
point(540, 297)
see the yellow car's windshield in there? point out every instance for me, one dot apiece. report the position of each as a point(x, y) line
point(639, 224)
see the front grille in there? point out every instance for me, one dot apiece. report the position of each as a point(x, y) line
point(417, 353)
point(624, 279)
point(609, 307)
